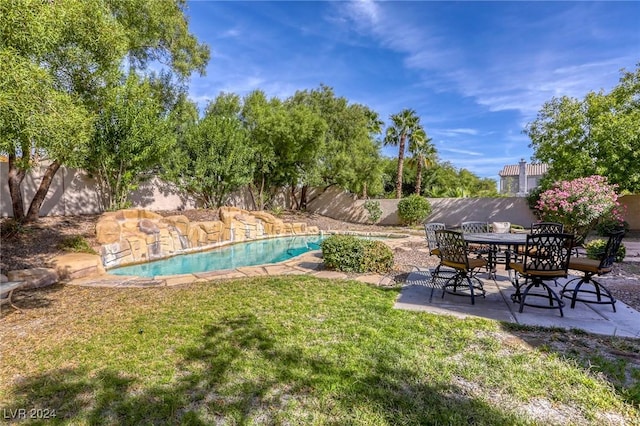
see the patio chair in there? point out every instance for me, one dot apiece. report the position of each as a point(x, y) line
point(546, 258)
point(480, 250)
point(542, 228)
point(547, 228)
point(474, 227)
point(430, 231)
point(6, 293)
point(453, 253)
point(589, 267)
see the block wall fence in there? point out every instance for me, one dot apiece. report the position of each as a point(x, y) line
point(73, 193)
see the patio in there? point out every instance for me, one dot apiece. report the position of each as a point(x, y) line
point(598, 319)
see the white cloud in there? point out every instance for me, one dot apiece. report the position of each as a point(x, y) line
point(462, 151)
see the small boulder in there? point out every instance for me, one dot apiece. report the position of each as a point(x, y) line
point(107, 230)
point(77, 265)
point(148, 226)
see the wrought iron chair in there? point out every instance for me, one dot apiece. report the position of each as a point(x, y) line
point(453, 253)
point(480, 250)
point(547, 228)
point(437, 276)
point(474, 227)
point(546, 258)
point(591, 267)
point(542, 228)
point(430, 231)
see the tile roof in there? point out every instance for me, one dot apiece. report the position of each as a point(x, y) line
point(532, 170)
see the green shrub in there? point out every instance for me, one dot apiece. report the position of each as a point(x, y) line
point(595, 249)
point(277, 211)
point(12, 229)
point(608, 224)
point(378, 257)
point(373, 207)
point(413, 209)
point(76, 244)
point(348, 253)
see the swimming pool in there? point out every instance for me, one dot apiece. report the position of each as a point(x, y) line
point(260, 252)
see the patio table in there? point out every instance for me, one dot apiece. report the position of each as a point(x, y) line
point(494, 240)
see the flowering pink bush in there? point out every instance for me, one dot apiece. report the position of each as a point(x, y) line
point(579, 204)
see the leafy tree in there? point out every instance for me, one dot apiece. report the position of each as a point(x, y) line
point(59, 59)
point(405, 126)
point(261, 122)
point(599, 134)
point(350, 156)
point(213, 157)
point(132, 136)
point(444, 180)
point(287, 139)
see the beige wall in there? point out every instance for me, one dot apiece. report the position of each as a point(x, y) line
point(338, 204)
point(72, 193)
point(632, 203)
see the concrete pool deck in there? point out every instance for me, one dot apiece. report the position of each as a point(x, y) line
point(417, 295)
point(306, 264)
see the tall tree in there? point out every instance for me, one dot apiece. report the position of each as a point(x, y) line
point(133, 135)
point(350, 158)
point(213, 159)
point(423, 154)
point(262, 121)
point(599, 134)
point(58, 60)
point(404, 125)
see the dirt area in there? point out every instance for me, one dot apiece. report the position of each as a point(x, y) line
point(39, 242)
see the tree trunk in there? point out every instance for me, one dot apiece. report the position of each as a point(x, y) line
point(419, 177)
point(303, 197)
point(15, 180)
point(253, 197)
point(41, 193)
point(295, 205)
point(400, 166)
point(364, 191)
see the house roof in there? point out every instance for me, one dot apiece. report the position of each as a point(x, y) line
point(532, 170)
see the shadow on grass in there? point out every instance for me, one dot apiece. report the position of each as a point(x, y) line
point(616, 358)
point(42, 297)
point(239, 373)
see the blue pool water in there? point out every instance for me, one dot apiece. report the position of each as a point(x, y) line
point(252, 253)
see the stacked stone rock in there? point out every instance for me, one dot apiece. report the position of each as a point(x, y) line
point(134, 236)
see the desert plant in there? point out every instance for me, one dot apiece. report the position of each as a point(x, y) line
point(12, 229)
point(277, 211)
point(75, 244)
point(374, 210)
point(595, 249)
point(413, 209)
point(348, 253)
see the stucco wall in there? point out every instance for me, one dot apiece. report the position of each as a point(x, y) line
point(451, 211)
point(72, 193)
point(632, 203)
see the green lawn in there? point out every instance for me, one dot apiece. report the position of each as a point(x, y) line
point(291, 350)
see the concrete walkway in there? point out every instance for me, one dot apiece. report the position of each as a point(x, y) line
point(497, 305)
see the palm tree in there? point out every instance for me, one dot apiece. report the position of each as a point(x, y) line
point(423, 153)
point(405, 124)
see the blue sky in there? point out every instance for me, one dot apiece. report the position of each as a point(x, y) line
point(475, 72)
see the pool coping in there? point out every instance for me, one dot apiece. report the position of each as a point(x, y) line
point(309, 263)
